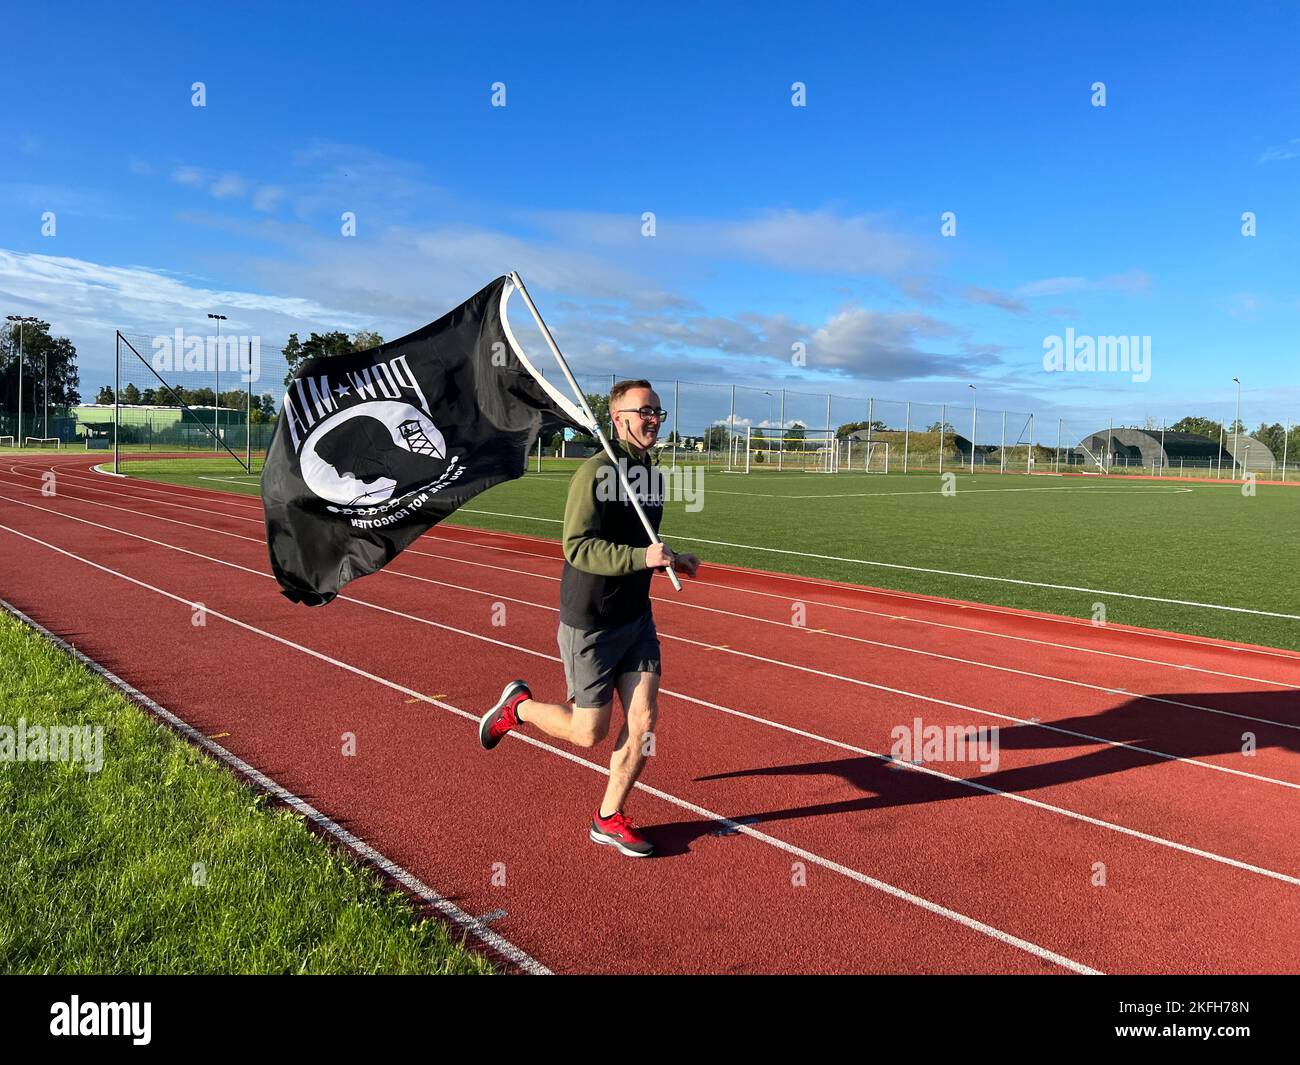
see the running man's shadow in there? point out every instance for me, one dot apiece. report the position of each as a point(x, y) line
point(1174, 730)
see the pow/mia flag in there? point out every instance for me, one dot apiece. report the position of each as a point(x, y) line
point(371, 449)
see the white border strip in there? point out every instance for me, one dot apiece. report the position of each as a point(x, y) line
point(362, 849)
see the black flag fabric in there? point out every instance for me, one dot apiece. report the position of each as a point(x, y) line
point(372, 449)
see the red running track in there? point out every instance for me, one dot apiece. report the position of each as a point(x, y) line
point(1122, 830)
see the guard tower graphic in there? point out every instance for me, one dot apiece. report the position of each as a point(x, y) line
point(414, 435)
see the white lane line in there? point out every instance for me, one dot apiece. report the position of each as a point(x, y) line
point(675, 603)
point(825, 863)
point(363, 850)
point(908, 694)
point(871, 591)
point(982, 608)
point(964, 629)
point(905, 596)
point(680, 537)
point(1161, 490)
point(928, 770)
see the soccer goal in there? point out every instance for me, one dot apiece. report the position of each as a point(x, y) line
point(798, 449)
point(867, 456)
point(52, 443)
point(1101, 466)
point(6, 441)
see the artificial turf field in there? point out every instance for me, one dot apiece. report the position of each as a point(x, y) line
point(1072, 542)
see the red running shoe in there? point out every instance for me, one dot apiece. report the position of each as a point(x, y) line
point(617, 831)
point(503, 717)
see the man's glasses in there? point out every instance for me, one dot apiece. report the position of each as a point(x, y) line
point(646, 413)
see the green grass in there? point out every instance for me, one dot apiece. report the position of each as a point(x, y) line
point(97, 869)
point(1207, 543)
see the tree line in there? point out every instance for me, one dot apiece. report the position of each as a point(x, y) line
point(44, 357)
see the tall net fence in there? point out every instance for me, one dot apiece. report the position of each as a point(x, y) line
point(193, 405)
point(206, 406)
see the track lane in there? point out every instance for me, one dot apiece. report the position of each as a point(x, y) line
point(889, 771)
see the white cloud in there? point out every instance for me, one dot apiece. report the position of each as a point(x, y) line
point(995, 298)
point(1134, 281)
point(1289, 150)
point(228, 186)
point(817, 242)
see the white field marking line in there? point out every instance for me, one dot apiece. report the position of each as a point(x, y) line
point(700, 811)
point(1004, 580)
point(973, 784)
point(1161, 490)
point(232, 480)
point(907, 597)
point(926, 569)
point(779, 576)
point(899, 595)
point(676, 601)
point(363, 850)
point(781, 624)
point(864, 590)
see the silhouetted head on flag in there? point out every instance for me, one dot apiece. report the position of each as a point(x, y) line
point(372, 448)
point(364, 449)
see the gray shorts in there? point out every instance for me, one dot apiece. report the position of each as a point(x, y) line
point(594, 659)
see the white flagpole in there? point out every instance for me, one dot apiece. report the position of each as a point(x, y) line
point(593, 424)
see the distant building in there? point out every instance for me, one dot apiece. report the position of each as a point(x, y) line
point(1150, 447)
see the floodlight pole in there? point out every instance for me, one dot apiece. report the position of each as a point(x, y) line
point(216, 384)
point(248, 412)
point(117, 389)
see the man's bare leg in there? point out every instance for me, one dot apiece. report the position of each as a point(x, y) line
point(581, 726)
point(639, 694)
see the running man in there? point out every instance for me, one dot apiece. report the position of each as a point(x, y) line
point(607, 633)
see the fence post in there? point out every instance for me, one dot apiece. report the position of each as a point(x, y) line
point(830, 440)
point(731, 428)
point(780, 449)
point(1029, 457)
point(1286, 444)
point(974, 421)
point(677, 402)
point(1056, 460)
point(943, 417)
point(907, 435)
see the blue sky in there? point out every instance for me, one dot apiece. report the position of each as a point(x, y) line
point(775, 224)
